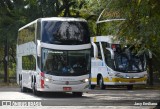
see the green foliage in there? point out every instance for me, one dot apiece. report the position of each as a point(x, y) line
point(142, 24)
point(12, 70)
point(142, 20)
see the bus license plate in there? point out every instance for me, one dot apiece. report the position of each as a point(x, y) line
point(67, 88)
point(132, 81)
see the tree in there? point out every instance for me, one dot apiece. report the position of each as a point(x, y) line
point(141, 26)
point(9, 23)
point(142, 23)
point(16, 13)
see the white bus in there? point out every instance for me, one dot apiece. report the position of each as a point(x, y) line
point(112, 64)
point(53, 55)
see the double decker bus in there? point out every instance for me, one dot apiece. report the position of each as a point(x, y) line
point(112, 64)
point(53, 55)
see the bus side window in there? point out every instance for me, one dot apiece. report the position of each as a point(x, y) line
point(109, 61)
point(99, 50)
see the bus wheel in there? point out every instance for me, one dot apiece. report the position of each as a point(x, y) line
point(129, 87)
point(35, 92)
point(101, 83)
point(93, 86)
point(23, 89)
point(78, 94)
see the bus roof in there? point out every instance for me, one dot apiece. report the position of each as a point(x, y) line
point(62, 19)
point(109, 39)
point(53, 19)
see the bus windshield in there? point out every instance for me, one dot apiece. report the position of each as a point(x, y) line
point(65, 32)
point(125, 59)
point(129, 62)
point(65, 63)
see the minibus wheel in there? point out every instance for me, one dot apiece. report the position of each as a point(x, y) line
point(35, 92)
point(129, 87)
point(101, 83)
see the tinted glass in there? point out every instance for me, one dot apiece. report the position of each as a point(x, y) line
point(28, 62)
point(26, 35)
point(130, 62)
point(65, 32)
point(125, 59)
point(66, 63)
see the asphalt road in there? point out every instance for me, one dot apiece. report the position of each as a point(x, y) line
point(95, 99)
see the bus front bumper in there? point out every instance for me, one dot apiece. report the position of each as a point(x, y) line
point(64, 88)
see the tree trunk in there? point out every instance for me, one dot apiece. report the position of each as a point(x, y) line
point(66, 12)
point(6, 61)
point(150, 79)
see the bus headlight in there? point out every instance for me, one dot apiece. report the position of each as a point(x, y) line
point(119, 75)
point(46, 79)
point(85, 80)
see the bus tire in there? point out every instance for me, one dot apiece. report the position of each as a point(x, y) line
point(23, 89)
point(35, 92)
point(78, 94)
point(101, 83)
point(129, 87)
point(93, 86)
